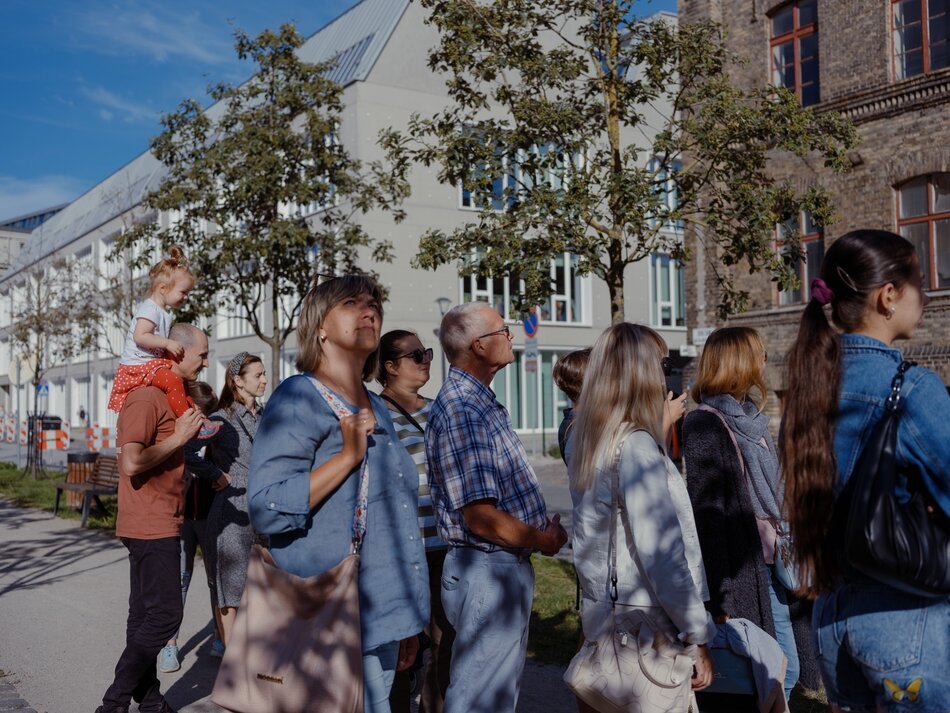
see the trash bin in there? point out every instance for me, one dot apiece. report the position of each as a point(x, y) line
point(78, 469)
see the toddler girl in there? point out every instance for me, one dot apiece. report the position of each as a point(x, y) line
point(148, 352)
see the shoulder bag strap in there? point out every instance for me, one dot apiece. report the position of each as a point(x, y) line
point(732, 436)
point(612, 537)
point(403, 411)
point(359, 516)
point(243, 427)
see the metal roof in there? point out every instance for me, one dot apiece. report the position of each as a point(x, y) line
point(355, 40)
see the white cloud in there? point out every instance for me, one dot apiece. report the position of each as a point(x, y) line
point(162, 33)
point(24, 195)
point(111, 103)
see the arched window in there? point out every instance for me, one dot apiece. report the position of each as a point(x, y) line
point(923, 217)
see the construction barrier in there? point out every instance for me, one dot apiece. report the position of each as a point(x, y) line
point(9, 429)
point(24, 432)
point(56, 440)
point(99, 437)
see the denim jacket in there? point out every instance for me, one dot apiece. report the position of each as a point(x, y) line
point(298, 432)
point(923, 439)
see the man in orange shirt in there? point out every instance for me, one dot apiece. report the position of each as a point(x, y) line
point(151, 462)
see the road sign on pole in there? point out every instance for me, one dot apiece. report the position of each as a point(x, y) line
point(531, 354)
point(531, 325)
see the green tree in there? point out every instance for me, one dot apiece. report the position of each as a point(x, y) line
point(54, 320)
point(242, 178)
point(571, 120)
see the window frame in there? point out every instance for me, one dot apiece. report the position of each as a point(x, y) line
point(925, 45)
point(579, 317)
point(929, 218)
point(817, 235)
point(796, 35)
point(677, 285)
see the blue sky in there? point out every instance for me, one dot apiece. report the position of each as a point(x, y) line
point(84, 82)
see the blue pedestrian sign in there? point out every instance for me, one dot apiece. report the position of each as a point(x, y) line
point(531, 324)
point(42, 389)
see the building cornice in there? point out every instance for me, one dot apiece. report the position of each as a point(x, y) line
point(883, 102)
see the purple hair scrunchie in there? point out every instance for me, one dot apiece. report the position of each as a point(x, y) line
point(821, 292)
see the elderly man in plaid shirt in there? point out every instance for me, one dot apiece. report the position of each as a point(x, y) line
point(490, 510)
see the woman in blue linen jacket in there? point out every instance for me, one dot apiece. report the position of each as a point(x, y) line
point(880, 649)
point(304, 478)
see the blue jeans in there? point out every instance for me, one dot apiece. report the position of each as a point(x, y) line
point(783, 629)
point(379, 669)
point(878, 647)
point(487, 599)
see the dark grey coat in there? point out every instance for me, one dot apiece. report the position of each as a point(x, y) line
point(729, 537)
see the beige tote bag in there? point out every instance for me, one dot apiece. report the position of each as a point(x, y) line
point(296, 645)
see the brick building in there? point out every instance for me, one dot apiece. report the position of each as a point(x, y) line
point(884, 64)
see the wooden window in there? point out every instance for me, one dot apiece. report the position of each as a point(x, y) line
point(812, 243)
point(920, 30)
point(794, 46)
point(923, 217)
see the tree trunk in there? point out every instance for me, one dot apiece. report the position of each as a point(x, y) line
point(275, 342)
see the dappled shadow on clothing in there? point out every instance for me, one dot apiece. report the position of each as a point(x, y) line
point(50, 557)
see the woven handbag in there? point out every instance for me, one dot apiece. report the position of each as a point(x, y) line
point(905, 545)
point(296, 645)
point(630, 669)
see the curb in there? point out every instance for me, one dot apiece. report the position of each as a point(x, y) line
point(10, 700)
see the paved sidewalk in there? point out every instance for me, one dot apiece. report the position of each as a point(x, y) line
point(63, 603)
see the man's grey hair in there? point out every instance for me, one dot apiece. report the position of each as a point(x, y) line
point(460, 327)
point(184, 333)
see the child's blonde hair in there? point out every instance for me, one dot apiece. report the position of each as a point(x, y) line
point(165, 270)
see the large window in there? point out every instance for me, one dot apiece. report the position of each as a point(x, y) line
point(666, 188)
point(920, 33)
point(231, 322)
point(567, 305)
point(923, 210)
point(667, 292)
point(811, 243)
point(531, 397)
point(794, 44)
point(515, 177)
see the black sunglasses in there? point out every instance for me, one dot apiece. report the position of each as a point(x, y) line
point(419, 356)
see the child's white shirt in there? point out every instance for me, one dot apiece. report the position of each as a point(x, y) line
point(132, 353)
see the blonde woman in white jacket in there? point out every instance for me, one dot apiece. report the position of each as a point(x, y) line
point(660, 577)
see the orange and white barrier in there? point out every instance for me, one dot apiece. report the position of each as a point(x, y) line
point(55, 440)
point(99, 437)
point(9, 429)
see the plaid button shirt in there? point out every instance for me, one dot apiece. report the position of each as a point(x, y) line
point(474, 454)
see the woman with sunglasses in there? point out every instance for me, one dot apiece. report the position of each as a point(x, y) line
point(403, 370)
point(738, 499)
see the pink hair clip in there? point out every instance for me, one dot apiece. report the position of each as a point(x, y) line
point(821, 292)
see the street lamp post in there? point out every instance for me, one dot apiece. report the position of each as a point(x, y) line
point(443, 303)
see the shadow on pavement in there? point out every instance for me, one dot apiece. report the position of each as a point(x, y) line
point(51, 557)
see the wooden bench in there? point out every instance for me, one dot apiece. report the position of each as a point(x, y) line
point(104, 480)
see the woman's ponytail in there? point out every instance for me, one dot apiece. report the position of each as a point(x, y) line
point(856, 265)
